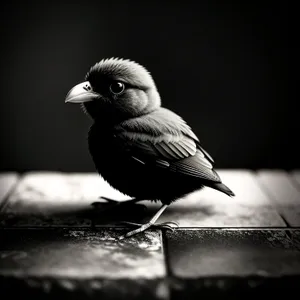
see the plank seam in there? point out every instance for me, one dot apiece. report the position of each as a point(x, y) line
point(293, 181)
point(269, 196)
point(9, 193)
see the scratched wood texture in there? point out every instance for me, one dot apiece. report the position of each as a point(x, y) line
point(266, 198)
point(224, 248)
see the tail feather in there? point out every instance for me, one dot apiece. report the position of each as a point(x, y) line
point(223, 188)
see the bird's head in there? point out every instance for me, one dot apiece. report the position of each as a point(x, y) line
point(116, 89)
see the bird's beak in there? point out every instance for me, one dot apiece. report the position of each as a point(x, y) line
point(80, 93)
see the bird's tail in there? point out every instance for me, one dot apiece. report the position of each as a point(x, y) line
point(223, 188)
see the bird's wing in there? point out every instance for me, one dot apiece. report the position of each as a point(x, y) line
point(168, 142)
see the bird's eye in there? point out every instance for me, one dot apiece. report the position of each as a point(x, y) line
point(117, 87)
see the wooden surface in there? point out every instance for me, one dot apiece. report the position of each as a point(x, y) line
point(266, 199)
point(52, 240)
point(284, 192)
point(7, 184)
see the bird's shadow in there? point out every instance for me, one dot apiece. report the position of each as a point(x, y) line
point(73, 215)
point(98, 214)
point(106, 214)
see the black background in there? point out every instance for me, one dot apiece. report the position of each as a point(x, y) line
point(223, 66)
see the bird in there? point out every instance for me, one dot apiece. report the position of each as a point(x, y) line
point(141, 148)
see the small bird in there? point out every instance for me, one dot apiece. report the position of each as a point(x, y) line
point(140, 148)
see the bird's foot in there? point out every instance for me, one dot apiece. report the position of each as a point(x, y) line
point(166, 225)
point(142, 227)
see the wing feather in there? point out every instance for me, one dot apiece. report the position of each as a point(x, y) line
point(179, 155)
point(165, 140)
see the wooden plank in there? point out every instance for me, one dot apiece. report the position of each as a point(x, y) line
point(7, 183)
point(283, 192)
point(230, 263)
point(81, 264)
point(250, 207)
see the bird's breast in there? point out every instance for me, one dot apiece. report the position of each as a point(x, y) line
point(114, 164)
point(105, 151)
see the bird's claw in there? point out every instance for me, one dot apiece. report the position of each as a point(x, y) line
point(170, 223)
point(166, 225)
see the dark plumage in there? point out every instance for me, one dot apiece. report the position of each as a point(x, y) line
point(142, 149)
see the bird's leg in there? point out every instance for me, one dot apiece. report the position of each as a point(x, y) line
point(143, 227)
point(167, 225)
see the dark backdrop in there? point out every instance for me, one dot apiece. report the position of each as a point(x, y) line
point(223, 67)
